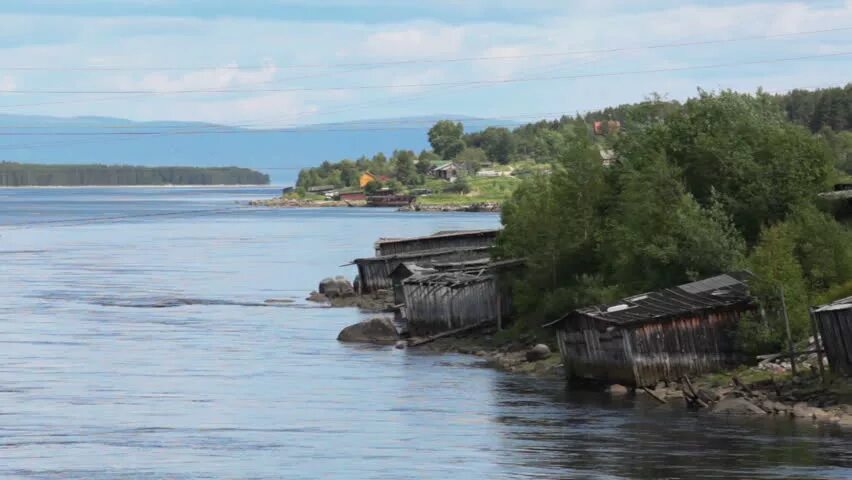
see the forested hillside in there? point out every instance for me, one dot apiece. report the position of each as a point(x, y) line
point(21, 174)
point(722, 182)
point(825, 112)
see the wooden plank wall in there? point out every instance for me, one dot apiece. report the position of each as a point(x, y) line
point(648, 353)
point(683, 346)
point(436, 308)
point(835, 327)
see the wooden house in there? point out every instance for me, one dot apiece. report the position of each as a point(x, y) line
point(368, 177)
point(835, 328)
point(448, 171)
point(656, 336)
point(375, 273)
point(352, 196)
point(439, 240)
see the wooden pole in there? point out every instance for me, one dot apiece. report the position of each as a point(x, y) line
point(817, 343)
point(789, 335)
point(499, 313)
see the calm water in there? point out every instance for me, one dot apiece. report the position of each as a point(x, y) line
point(135, 348)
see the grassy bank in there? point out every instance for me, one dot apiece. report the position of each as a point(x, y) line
point(482, 190)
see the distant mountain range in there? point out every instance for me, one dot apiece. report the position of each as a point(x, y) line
point(279, 153)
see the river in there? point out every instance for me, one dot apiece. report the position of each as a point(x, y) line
point(137, 346)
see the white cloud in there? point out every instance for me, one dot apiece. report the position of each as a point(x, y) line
point(415, 42)
point(227, 76)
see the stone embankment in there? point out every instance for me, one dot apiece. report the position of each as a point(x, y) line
point(472, 207)
point(285, 202)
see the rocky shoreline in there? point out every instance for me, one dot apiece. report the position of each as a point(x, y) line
point(285, 202)
point(767, 389)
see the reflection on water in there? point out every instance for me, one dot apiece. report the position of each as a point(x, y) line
point(203, 378)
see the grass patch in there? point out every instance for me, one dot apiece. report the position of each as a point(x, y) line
point(482, 189)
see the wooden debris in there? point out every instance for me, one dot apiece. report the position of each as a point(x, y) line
point(654, 395)
point(416, 342)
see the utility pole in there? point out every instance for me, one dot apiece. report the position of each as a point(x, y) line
point(789, 335)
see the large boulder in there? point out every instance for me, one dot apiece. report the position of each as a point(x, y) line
point(539, 352)
point(337, 287)
point(736, 406)
point(377, 330)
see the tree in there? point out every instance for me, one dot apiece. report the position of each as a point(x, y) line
point(659, 236)
point(372, 187)
point(461, 186)
point(446, 138)
point(405, 170)
point(498, 144)
point(471, 159)
point(741, 147)
point(424, 161)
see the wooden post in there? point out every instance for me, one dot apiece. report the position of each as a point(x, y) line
point(499, 313)
point(789, 335)
point(817, 342)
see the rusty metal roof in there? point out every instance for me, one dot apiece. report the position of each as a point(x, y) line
point(713, 293)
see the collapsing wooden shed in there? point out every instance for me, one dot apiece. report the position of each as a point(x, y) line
point(835, 328)
point(375, 273)
point(656, 336)
point(445, 301)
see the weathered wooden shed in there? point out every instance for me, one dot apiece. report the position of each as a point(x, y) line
point(835, 328)
point(656, 336)
point(457, 295)
point(439, 240)
point(400, 274)
point(374, 273)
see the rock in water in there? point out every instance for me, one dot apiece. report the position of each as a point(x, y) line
point(337, 287)
point(737, 406)
point(377, 330)
point(616, 389)
point(539, 352)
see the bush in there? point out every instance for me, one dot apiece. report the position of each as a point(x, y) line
point(460, 186)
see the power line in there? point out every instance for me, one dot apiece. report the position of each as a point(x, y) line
point(442, 84)
point(109, 68)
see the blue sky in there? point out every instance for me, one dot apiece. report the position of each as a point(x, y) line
point(296, 46)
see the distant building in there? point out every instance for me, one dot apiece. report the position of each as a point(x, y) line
point(321, 188)
point(368, 177)
point(606, 127)
point(448, 171)
point(607, 157)
point(656, 336)
point(352, 196)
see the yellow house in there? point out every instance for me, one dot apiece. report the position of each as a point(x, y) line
point(366, 178)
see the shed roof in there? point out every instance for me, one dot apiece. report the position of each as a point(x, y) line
point(443, 234)
point(709, 294)
point(842, 304)
point(414, 256)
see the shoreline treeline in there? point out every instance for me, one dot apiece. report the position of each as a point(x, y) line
point(39, 175)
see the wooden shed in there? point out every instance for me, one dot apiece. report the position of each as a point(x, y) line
point(656, 336)
point(374, 273)
point(835, 327)
point(439, 240)
point(458, 294)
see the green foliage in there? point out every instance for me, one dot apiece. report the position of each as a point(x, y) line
point(818, 109)
point(373, 186)
point(498, 144)
point(665, 238)
point(404, 169)
point(461, 186)
point(471, 159)
point(740, 151)
point(721, 182)
point(446, 138)
point(425, 161)
point(22, 174)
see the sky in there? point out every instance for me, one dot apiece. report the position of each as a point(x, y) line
point(281, 63)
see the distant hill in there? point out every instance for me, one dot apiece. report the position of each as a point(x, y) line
point(25, 175)
point(279, 153)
